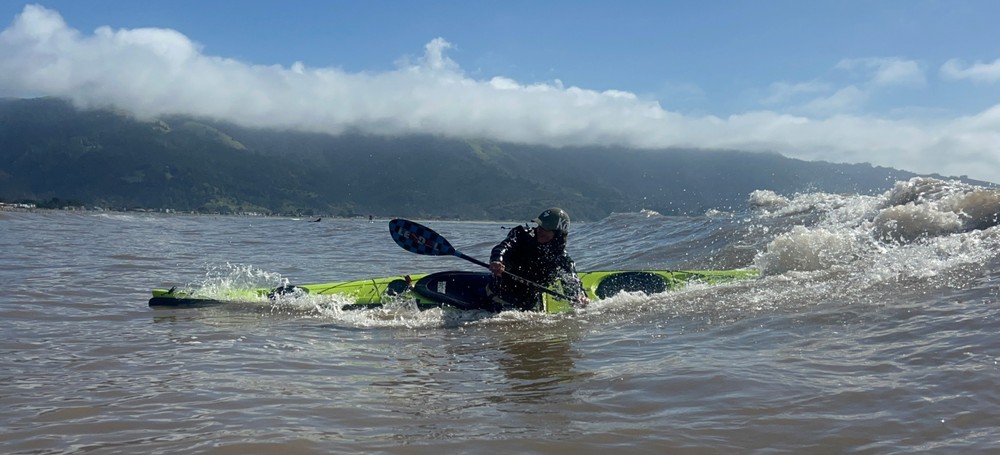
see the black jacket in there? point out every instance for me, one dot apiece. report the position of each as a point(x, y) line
point(542, 263)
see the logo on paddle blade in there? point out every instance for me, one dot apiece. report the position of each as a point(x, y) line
point(417, 242)
point(418, 239)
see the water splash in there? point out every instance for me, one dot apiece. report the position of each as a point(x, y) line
point(913, 221)
point(222, 280)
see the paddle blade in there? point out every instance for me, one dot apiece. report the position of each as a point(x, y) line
point(419, 239)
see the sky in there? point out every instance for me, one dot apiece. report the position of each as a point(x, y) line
point(909, 84)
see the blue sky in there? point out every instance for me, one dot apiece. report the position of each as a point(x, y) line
point(910, 84)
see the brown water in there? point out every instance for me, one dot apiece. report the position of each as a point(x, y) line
point(875, 356)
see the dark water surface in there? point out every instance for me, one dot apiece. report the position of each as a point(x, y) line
point(873, 330)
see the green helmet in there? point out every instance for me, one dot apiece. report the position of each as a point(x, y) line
point(554, 219)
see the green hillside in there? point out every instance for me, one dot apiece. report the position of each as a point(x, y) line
point(110, 159)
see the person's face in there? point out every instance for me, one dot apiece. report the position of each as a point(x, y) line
point(543, 235)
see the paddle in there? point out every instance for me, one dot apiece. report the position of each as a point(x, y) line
point(420, 239)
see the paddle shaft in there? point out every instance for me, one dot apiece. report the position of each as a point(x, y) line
point(523, 280)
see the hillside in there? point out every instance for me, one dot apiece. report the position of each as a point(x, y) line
point(106, 158)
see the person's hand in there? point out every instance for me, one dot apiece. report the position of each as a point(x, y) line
point(497, 268)
point(581, 301)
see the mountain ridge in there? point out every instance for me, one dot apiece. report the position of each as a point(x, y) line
point(49, 149)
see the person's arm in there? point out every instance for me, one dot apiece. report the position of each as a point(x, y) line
point(497, 265)
point(573, 286)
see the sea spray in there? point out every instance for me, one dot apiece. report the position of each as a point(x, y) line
point(913, 223)
point(220, 281)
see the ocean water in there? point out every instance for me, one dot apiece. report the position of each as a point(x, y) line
point(873, 329)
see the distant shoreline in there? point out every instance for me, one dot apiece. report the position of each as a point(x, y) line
point(8, 207)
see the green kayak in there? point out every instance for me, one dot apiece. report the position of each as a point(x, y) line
point(459, 289)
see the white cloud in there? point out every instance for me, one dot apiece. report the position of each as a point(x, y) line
point(886, 72)
point(679, 93)
point(980, 72)
point(784, 92)
point(155, 71)
point(847, 99)
point(900, 73)
point(821, 98)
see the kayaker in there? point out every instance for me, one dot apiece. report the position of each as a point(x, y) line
point(537, 254)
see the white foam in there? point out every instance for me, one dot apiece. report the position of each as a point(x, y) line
point(913, 223)
point(905, 223)
point(805, 249)
point(767, 200)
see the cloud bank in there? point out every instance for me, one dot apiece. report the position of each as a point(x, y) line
point(154, 72)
